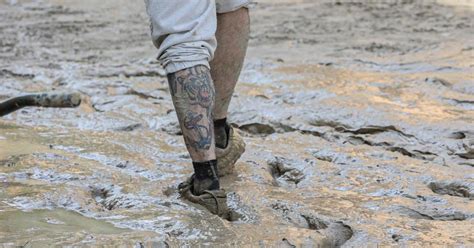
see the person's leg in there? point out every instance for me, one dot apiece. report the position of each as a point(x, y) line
point(193, 96)
point(184, 33)
point(232, 38)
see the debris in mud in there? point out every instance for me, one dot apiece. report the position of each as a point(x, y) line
point(286, 170)
point(45, 99)
point(454, 188)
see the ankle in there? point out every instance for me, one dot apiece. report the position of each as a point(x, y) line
point(205, 176)
point(205, 170)
point(221, 132)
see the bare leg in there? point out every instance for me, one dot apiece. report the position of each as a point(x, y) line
point(232, 38)
point(193, 93)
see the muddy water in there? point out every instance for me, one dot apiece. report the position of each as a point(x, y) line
point(358, 120)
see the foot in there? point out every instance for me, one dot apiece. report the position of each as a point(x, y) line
point(215, 201)
point(228, 156)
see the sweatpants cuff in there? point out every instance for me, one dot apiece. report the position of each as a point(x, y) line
point(178, 66)
point(186, 55)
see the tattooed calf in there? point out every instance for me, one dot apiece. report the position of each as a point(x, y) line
point(203, 137)
point(196, 84)
point(193, 93)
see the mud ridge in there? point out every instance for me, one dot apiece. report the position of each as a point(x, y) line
point(438, 81)
point(357, 139)
point(433, 214)
point(456, 188)
point(372, 129)
point(5, 72)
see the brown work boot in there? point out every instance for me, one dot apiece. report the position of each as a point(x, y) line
point(213, 200)
point(227, 157)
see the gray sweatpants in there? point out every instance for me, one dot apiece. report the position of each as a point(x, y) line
point(184, 30)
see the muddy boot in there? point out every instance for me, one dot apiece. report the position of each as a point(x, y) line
point(227, 156)
point(203, 188)
point(213, 200)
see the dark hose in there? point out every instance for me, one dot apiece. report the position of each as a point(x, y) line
point(48, 100)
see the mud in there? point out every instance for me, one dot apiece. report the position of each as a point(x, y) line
point(357, 117)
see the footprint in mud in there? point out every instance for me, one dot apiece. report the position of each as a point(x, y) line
point(329, 155)
point(286, 172)
point(333, 233)
point(239, 211)
point(453, 188)
point(257, 128)
point(110, 197)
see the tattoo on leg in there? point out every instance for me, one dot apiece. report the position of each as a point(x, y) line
point(204, 137)
point(193, 94)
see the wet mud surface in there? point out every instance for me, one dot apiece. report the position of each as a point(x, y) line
point(358, 120)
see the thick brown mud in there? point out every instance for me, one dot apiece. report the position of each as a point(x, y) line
point(358, 119)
